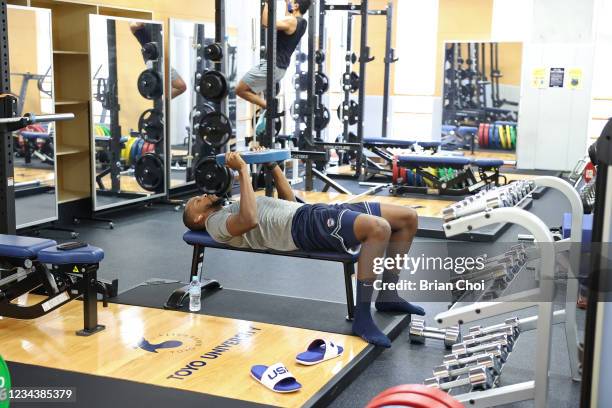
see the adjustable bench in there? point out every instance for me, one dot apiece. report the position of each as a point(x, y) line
point(73, 275)
point(379, 146)
point(202, 240)
point(447, 175)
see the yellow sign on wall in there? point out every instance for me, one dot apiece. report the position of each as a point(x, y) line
point(575, 78)
point(538, 78)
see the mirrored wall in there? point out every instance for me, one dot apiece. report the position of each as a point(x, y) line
point(188, 41)
point(31, 64)
point(482, 83)
point(128, 110)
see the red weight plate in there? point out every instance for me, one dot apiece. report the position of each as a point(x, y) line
point(404, 175)
point(589, 172)
point(395, 170)
point(406, 400)
point(420, 389)
point(486, 135)
point(481, 129)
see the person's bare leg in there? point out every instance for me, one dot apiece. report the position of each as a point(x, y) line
point(404, 225)
point(373, 233)
point(246, 93)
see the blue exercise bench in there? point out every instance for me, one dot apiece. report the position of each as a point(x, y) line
point(443, 175)
point(202, 240)
point(72, 274)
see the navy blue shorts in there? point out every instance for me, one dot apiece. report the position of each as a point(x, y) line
point(329, 227)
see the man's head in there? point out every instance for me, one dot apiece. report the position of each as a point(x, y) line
point(198, 209)
point(300, 6)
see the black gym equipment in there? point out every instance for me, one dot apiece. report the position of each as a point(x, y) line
point(150, 84)
point(213, 52)
point(150, 51)
point(215, 129)
point(151, 126)
point(212, 85)
point(149, 172)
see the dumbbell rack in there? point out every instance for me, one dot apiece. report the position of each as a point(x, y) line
point(536, 389)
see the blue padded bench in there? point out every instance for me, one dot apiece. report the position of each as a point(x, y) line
point(426, 161)
point(34, 254)
point(399, 143)
point(202, 240)
point(35, 135)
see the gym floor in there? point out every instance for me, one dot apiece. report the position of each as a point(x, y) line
point(137, 251)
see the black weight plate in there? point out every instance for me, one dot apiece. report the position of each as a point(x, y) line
point(150, 52)
point(215, 129)
point(150, 84)
point(213, 52)
point(322, 118)
point(321, 83)
point(213, 85)
point(319, 57)
point(151, 126)
point(149, 172)
point(212, 178)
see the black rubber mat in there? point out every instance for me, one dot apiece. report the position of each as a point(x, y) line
point(102, 392)
point(260, 307)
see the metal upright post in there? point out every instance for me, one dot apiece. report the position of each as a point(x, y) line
point(221, 66)
point(113, 102)
point(311, 98)
point(271, 101)
point(7, 110)
point(347, 93)
point(364, 59)
point(389, 59)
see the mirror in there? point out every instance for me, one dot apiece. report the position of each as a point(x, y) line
point(186, 60)
point(31, 64)
point(482, 84)
point(128, 112)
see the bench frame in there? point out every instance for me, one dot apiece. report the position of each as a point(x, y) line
point(177, 298)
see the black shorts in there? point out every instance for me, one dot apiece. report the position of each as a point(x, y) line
point(329, 227)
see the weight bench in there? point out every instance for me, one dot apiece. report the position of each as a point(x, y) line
point(379, 146)
point(202, 240)
point(73, 274)
point(446, 175)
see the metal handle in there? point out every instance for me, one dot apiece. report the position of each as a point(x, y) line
point(31, 118)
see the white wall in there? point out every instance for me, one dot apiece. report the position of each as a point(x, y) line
point(554, 121)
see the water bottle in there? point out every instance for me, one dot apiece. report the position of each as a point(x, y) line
point(195, 295)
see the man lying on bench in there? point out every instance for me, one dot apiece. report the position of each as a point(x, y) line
point(283, 224)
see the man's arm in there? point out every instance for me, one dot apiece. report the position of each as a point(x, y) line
point(246, 219)
point(285, 192)
point(287, 24)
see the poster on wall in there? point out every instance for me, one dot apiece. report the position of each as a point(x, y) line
point(538, 78)
point(557, 77)
point(574, 78)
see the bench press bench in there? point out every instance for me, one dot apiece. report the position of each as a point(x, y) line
point(202, 240)
point(378, 146)
point(72, 274)
point(447, 175)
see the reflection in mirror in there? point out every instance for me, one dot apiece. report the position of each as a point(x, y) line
point(31, 64)
point(128, 129)
point(187, 59)
point(482, 83)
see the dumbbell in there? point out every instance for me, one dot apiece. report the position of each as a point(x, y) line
point(418, 333)
point(475, 340)
point(453, 361)
point(491, 363)
point(513, 323)
point(463, 350)
point(479, 378)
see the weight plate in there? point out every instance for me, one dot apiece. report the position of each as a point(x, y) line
point(404, 175)
point(319, 57)
point(212, 178)
point(299, 109)
point(502, 137)
point(150, 52)
point(395, 170)
point(351, 82)
point(490, 136)
point(322, 118)
point(125, 152)
point(215, 129)
point(513, 129)
point(150, 84)
point(135, 151)
point(213, 85)
point(213, 52)
point(481, 129)
point(151, 125)
point(321, 83)
point(149, 172)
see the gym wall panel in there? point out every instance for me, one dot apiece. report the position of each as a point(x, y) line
point(511, 20)
point(510, 63)
point(601, 105)
point(461, 20)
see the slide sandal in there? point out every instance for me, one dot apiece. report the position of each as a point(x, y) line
point(276, 378)
point(319, 351)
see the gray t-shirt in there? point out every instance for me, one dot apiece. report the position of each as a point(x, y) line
point(273, 230)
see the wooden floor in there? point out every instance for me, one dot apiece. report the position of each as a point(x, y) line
point(28, 174)
point(50, 342)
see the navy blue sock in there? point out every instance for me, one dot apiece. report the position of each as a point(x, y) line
point(390, 301)
point(363, 325)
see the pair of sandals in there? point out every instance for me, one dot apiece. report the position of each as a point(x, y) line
point(278, 378)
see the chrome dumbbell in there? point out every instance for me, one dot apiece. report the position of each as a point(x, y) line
point(418, 333)
point(463, 350)
point(491, 363)
point(453, 361)
point(479, 378)
point(475, 340)
point(512, 322)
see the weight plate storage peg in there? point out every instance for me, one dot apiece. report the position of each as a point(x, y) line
point(351, 81)
point(215, 129)
point(213, 85)
point(212, 178)
point(213, 52)
point(149, 172)
point(151, 126)
point(150, 84)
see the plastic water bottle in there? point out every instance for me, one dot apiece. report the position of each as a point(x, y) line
point(195, 295)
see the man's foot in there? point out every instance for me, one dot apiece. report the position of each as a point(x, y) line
point(260, 126)
point(364, 327)
point(389, 301)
